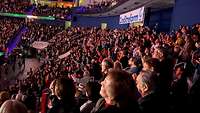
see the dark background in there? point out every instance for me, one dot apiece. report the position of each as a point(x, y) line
point(62, 0)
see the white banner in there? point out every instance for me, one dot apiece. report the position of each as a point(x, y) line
point(40, 44)
point(103, 25)
point(65, 55)
point(132, 16)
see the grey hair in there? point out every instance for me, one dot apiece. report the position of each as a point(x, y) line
point(13, 106)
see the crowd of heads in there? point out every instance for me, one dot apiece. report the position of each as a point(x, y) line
point(25, 7)
point(101, 6)
point(8, 29)
point(139, 70)
point(58, 12)
point(14, 6)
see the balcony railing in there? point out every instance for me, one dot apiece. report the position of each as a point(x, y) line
point(100, 8)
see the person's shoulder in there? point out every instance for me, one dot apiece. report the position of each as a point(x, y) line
point(100, 101)
point(98, 105)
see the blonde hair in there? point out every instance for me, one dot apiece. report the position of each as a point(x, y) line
point(4, 96)
point(13, 106)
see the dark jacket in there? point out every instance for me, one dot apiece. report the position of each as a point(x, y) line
point(64, 107)
point(153, 103)
point(124, 61)
point(102, 107)
point(179, 90)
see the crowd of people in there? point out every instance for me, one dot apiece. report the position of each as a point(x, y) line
point(39, 32)
point(102, 71)
point(8, 29)
point(14, 6)
point(25, 6)
point(100, 6)
point(58, 12)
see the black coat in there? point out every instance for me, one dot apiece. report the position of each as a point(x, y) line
point(63, 107)
point(101, 107)
point(153, 103)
